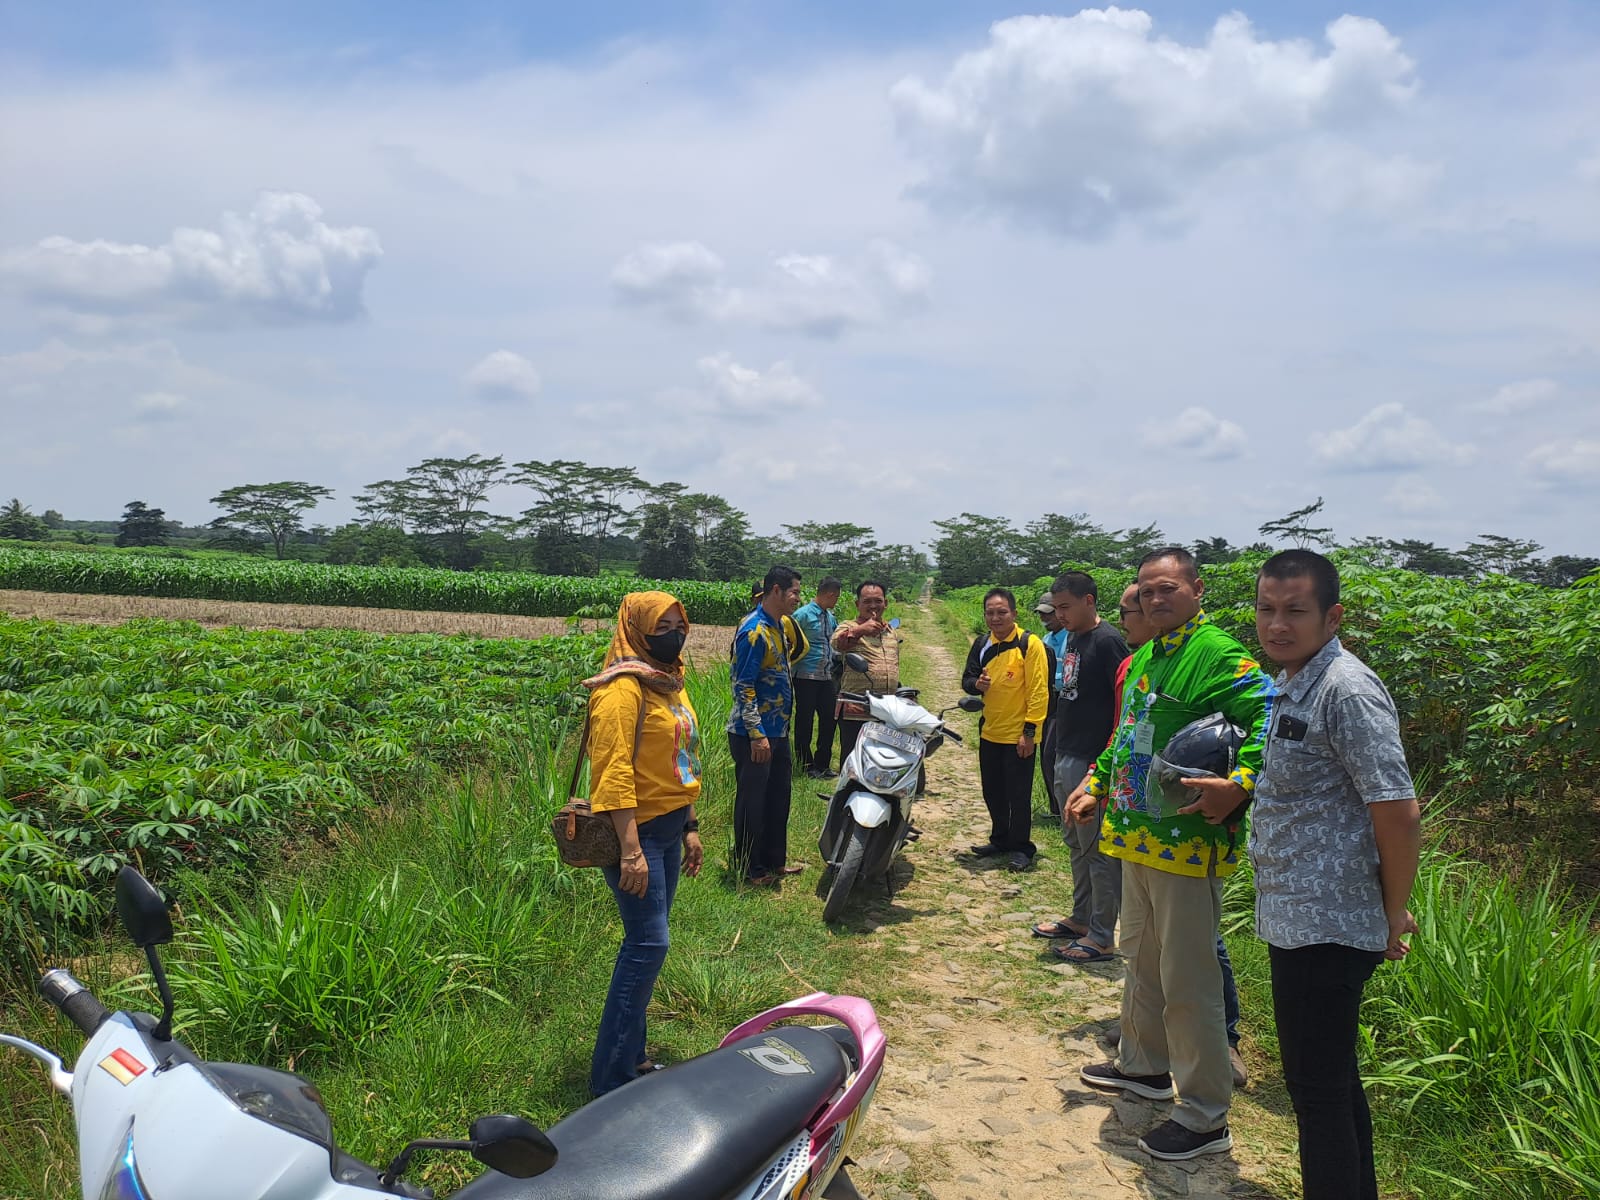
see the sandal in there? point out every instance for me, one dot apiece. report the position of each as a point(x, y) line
point(1085, 953)
point(763, 881)
point(793, 869)
point(1058, 929)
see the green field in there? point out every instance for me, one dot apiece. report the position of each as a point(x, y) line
point(265, 581)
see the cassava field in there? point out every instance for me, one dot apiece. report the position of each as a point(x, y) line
point(353, 825)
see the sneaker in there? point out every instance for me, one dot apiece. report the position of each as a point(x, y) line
point(1019, 862)
point(1106, 1075)
point(1174, 1143)
point(1241, 1073)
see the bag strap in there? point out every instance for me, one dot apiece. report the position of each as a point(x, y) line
point(583, 739)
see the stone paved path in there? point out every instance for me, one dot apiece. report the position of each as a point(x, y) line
point(980, 1097)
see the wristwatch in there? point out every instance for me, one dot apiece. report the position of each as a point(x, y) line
point(1028, 731)
point(691, 826)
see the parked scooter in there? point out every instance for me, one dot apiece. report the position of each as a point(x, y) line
point(869, 812)
point(771, 1114)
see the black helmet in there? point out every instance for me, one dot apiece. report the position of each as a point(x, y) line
point(1209, 746)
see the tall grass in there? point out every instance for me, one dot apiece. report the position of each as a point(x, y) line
point(1479, 1049)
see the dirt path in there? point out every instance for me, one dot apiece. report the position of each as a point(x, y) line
point(980, 1097)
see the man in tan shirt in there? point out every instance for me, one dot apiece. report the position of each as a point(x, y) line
point(872, 638)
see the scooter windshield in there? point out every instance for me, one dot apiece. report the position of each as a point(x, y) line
point(900, 713)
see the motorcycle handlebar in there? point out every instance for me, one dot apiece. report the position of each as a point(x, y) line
point(73, 1000)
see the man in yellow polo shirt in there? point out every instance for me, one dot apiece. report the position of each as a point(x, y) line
point(1008, 667)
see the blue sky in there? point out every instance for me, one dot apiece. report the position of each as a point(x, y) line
point(1198, 271)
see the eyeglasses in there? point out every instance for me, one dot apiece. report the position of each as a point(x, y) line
point(1128, 612)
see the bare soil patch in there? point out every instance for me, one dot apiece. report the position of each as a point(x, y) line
point(707, 643)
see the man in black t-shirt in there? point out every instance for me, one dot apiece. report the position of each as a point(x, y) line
point(1085, 715)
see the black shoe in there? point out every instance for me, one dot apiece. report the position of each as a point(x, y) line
point(987, 850)
point(1106, 1075)
point(1019, 861)
point(818, 773)
point(1174, 1143)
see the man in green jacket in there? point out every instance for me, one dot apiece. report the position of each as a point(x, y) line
point(1174, 863)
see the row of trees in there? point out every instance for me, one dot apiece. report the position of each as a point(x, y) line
point(972, 549)
point(582, 518)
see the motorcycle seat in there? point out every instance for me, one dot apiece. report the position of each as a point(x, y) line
point(698, 1130)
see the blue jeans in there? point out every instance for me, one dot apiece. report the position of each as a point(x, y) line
point(619, 1046)
point(1230, 992)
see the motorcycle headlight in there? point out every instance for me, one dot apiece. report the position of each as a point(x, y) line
point(124, 1182)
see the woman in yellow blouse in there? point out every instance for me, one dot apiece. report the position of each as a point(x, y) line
point(645, 772)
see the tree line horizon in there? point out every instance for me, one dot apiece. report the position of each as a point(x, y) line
point(587, 518)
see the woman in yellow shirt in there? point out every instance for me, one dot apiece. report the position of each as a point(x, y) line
point(644, 765)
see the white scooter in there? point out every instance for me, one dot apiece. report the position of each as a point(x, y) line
point(869, 812)
point(771, 1115)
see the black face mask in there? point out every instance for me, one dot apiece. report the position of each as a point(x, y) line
point(665, 647)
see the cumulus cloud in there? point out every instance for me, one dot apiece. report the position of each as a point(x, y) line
point(158, 406)
point(1388, 438)
point(1574, 462)
point(1077, 122)
point(732, 390)
point(280, 263)
point(504, 376)
point(815, 294)
point(1516, 397)
point(1197, 433)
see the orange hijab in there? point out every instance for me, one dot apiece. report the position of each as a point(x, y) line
point(630, 651)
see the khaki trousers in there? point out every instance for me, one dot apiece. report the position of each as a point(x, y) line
point(1172, 1018)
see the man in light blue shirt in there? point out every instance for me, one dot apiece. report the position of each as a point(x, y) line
point(815, 685)
point(1056, 636)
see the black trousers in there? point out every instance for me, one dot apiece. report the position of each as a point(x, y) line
point(849, 734)
point(1047, 755)
point(1316, 998)
point(1008, 793)
point(761, 807)
point(813, 700)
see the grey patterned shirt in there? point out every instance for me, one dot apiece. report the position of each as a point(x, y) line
point(1334, 749)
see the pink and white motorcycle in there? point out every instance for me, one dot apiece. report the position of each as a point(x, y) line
point(770, 1115)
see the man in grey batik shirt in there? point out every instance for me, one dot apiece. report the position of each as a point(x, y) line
point(1334, 838)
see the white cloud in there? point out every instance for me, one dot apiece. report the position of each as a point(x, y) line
point(732, 390)
point(504, 376)
point(277, 264)
point(1076, 122)
point(158, 406)
point(815, 294)
point(1515, 397)
point(681, 279)
point(1198, 433)
point(1413, 498)
point(1574, 462)
point(1388, 439)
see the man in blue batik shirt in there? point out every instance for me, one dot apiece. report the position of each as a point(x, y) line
point(758, 731)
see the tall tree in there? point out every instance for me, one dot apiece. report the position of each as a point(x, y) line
point(142, 526)
point(1216, 550)
point(1564, 570)
point(973, 549)
point(668, 545)
point(1430, 559)
point(1492, 553)
point(389, 502)
point(1297, 527)
point(19, 523)
point(274, 510)
point(448, 497)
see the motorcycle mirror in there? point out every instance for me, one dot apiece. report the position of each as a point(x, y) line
point(512, 1145)
point(894, 622)
point(970, 704)
point(142, 910)
point(144, 915)
point(855, 662)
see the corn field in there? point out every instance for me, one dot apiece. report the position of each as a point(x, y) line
point(421, 588)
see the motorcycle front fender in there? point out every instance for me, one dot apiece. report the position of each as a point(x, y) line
point(868, 809)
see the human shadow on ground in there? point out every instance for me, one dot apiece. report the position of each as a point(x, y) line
point(870, 907)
